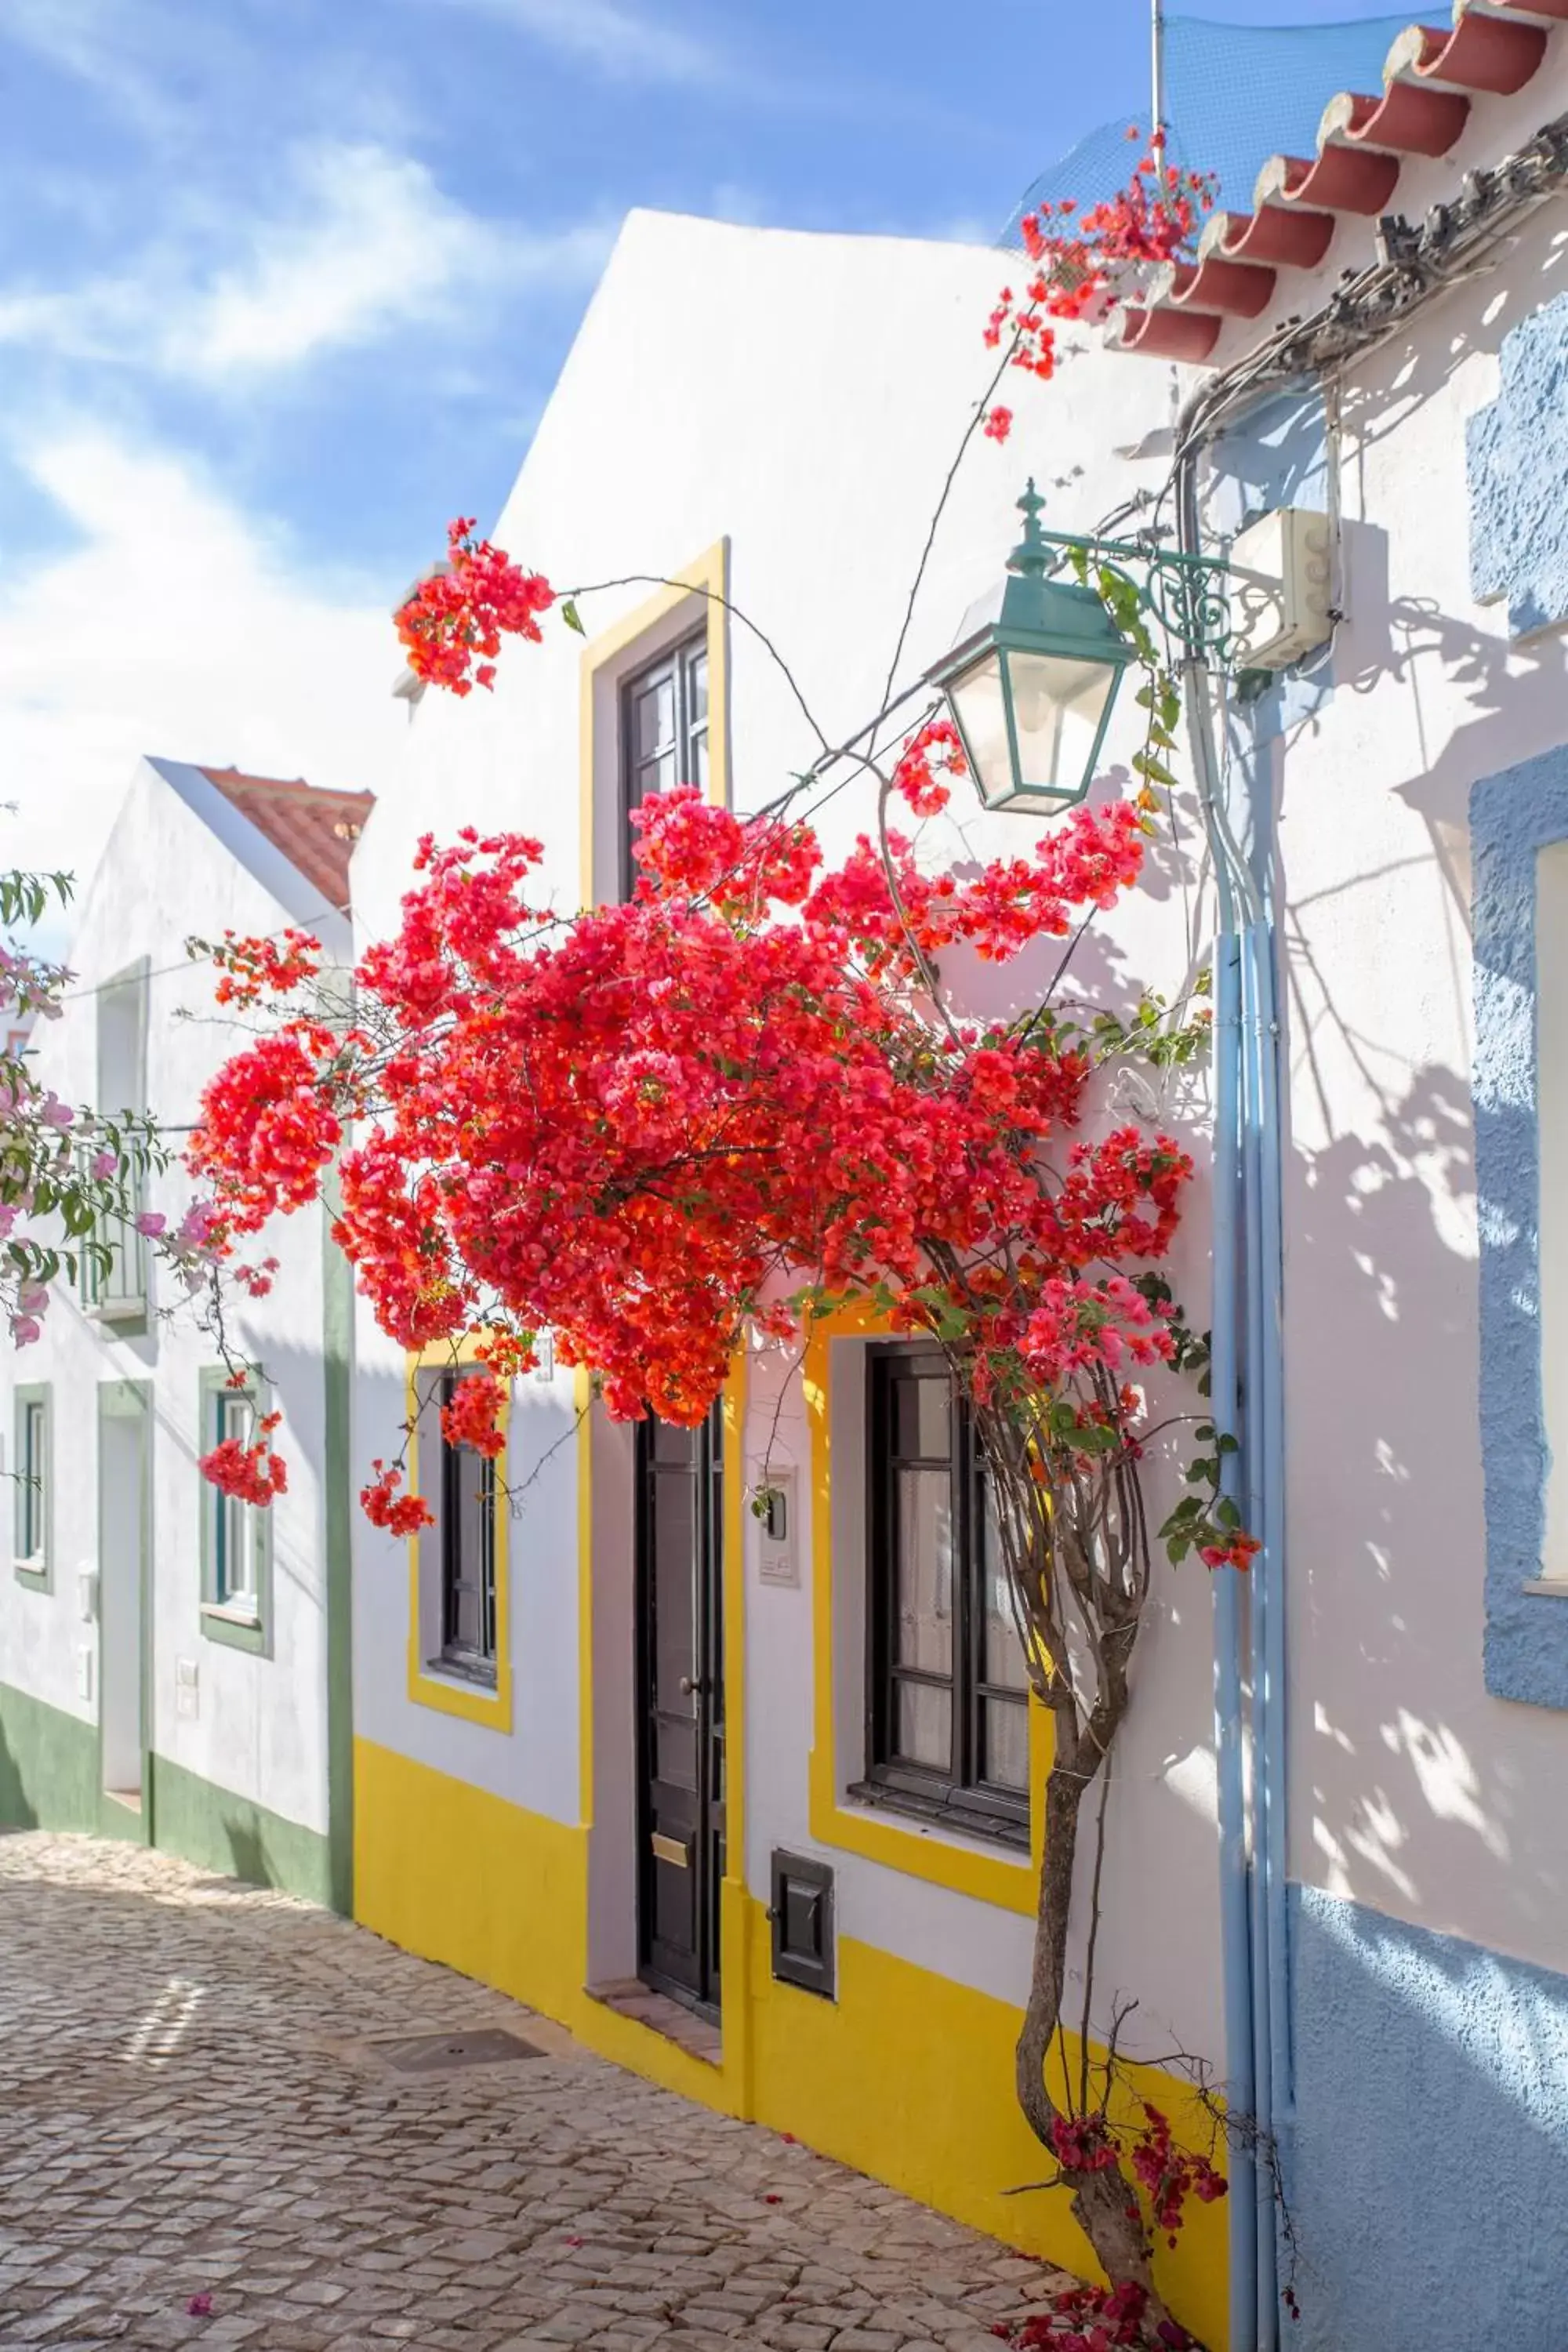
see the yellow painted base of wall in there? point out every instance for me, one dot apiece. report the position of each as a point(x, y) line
point(907, 2076)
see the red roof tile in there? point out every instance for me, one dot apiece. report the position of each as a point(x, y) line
point(1428, 82)
point(315, 829)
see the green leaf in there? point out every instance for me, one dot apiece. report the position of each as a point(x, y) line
point(571, 615)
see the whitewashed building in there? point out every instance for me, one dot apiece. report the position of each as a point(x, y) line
point(511, 1814)
point(173, 1666)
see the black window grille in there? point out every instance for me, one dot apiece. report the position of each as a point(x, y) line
point(462, 1494)
point(947, 1729)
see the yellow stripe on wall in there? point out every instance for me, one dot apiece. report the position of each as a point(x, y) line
point(907, 2075)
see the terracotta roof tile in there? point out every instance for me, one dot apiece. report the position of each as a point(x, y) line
point(315, 828)
point(1429, 81)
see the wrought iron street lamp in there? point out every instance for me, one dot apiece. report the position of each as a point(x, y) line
point(1033, 679)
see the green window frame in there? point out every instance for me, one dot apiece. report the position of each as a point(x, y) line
point(236, 1537)
point(34, 1484)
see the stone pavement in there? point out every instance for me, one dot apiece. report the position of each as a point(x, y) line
point(196, 2102)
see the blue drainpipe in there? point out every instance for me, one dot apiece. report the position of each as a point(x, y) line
point(1230, 1727)
point(1248, 1398)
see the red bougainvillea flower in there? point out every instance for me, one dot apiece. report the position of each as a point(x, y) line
point(383, 1506)
point(645, 1126)
point(933, 750)
point(1076, 257)
point(251, 968)
point(464, 609)
point(472, 1417)
point(252, 1474)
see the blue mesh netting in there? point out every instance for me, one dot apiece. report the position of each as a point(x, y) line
point(1234, 95)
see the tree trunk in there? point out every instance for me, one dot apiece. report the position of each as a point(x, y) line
point(1104, 2203)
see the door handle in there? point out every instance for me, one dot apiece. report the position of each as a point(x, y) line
point(691, 1688)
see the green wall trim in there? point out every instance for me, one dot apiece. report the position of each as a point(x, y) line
point(218, 1622)
point(48, 1771)
point(48, 1781)
point(337, 1361)
point(220, 1831)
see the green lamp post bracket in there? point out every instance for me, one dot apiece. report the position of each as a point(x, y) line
point(1185, 594)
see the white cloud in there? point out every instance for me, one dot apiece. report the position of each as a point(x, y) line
point(364, 242)
point(177, 627)
point(623, 44)
point(375, 242)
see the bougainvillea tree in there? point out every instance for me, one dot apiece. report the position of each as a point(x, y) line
point(71, 1176)
point(663, 1130)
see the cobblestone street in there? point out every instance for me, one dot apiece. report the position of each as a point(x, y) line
point(200, 2105)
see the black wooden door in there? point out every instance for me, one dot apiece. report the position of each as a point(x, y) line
point(680, 1706)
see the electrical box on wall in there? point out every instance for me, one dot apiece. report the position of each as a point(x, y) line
point(187, 1689)
point(778, 1552)
point(87, 1594)
point(1280, 589)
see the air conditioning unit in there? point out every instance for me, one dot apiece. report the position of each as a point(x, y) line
point(1280, 594)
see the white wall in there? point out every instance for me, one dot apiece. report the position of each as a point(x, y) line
point(1412, 1788)
point(260, 1728)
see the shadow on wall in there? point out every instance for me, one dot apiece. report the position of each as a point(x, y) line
point(17, 1811)
point(1428, 2165)
point(1429, 2158)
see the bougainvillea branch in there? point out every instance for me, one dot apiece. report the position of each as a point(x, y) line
point(1078, 256)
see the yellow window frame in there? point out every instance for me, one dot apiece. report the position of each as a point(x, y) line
point(613, 655)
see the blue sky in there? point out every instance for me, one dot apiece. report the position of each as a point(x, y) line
point(284, 283)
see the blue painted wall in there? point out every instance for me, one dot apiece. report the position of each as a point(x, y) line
point(1276, 456)
point(1512, 816)
point(1516, 455)
point(1429, 2176)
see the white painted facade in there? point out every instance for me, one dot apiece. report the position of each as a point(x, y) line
point(1413, 1791)
point(180, 862)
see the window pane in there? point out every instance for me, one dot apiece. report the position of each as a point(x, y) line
point(467, 1532)
point(922, 1417)
point(1004, 1651)
point(925, 1725)
point(697, 761)
point(35, 1470)
point(653, 718)
point(471, 1514)
point(697, 688)
point(923, 1591)
point(234, 1534)
point(235, 1579)
point(1005, 1731)
point(655, 776)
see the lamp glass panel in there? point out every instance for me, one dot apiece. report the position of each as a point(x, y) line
point(1057, 707)
point(982, 714)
